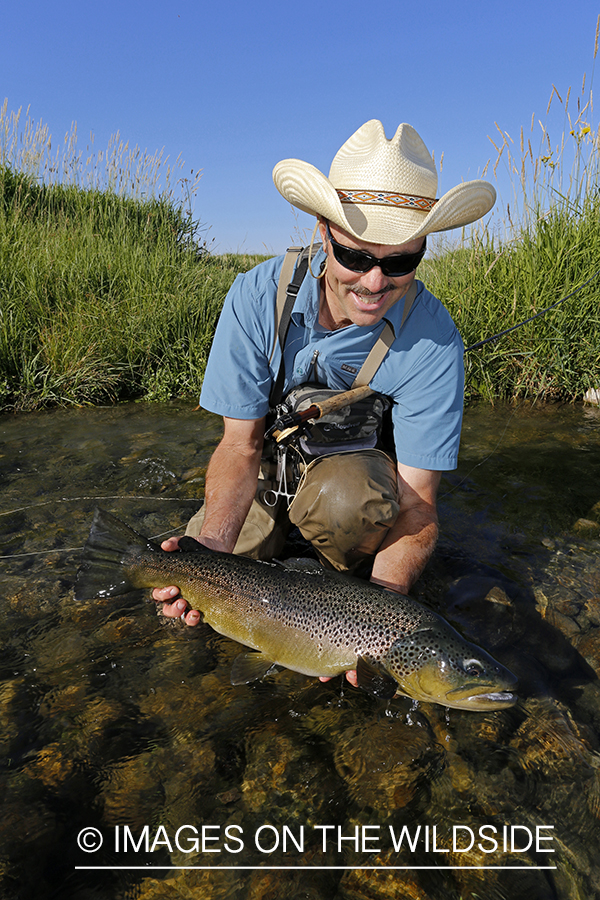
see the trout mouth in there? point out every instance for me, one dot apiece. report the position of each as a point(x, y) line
point(496, 699)
point(483, 699)
point(477, 697)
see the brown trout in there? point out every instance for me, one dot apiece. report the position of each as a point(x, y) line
point(311, 621)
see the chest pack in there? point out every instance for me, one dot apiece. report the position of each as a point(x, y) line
point(355, 425)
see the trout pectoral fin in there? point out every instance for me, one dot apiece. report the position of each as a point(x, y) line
point(374, 679)
point(250, 666)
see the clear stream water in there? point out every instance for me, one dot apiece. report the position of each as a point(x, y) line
point(119, 728)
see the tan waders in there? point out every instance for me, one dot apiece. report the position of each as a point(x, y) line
point(344, 505)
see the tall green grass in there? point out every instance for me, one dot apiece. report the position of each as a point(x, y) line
point(490, 286)
point(107, 292)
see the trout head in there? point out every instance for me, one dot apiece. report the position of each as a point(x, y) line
point(435, 664)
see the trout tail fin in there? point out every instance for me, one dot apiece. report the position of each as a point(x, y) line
point(109, 551)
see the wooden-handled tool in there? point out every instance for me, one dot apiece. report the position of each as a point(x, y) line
point(285, 426)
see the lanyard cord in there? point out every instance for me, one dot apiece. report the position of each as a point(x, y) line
point(500, 334)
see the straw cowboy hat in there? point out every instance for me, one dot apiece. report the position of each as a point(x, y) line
point(382, 191)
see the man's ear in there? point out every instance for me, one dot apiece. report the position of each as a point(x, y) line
point(323, 231)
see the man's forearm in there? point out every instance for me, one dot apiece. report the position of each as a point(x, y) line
point(406, 549)
point(230, 488)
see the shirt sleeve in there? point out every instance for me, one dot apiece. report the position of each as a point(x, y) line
point(238, 377)
point(427, 418)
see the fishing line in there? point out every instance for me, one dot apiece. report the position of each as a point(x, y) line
point(542, 312)
point(153, 537)
point(9, 512)
point(42, 552)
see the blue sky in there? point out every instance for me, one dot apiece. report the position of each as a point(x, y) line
point(234, 87)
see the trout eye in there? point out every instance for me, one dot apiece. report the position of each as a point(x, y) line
point(473, 667)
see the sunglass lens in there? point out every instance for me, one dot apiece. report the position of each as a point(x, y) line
point(397, 266)
point(353, 259)
point(391, 266)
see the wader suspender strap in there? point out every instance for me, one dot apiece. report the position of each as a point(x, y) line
point(283, 292)
point(287, 291)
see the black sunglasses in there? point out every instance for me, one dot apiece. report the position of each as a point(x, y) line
point(359, 261)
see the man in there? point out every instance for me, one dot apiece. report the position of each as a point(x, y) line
point(357, 502)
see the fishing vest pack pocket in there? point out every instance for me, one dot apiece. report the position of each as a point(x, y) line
point(354, 427)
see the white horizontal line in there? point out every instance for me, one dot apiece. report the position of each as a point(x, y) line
point(289, 868)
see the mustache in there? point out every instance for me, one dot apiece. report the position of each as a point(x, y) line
point(363, 292)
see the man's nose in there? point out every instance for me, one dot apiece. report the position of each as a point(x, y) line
point(375, 281)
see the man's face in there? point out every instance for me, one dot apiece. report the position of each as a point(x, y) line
point(362, 299)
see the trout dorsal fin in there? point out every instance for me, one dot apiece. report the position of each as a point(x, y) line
point(374, 679)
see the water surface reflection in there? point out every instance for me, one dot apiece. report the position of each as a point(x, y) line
point(115, 720)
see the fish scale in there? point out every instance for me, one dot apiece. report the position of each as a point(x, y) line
point(314, 622)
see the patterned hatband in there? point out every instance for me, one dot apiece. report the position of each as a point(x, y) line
point(385, 198)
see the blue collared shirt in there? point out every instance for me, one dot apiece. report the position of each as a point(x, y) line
point(422, 372)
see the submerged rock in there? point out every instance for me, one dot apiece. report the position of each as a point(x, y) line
point(384, 762)
point(289, 782)
point(587, 527)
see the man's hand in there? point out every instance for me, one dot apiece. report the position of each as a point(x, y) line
point(176, 609)
point(350, 675)
point(230, 488)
